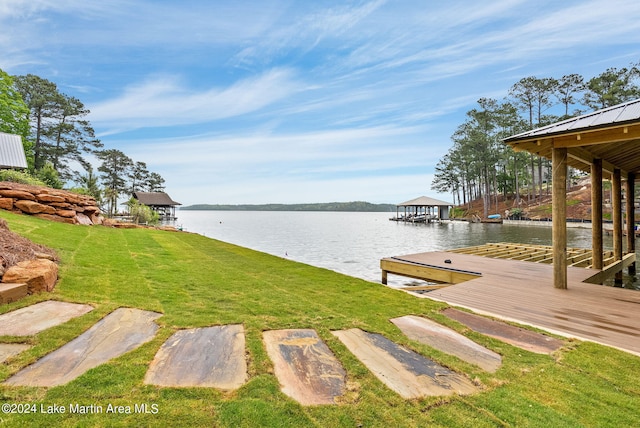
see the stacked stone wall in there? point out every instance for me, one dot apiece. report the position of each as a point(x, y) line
point(50, 204)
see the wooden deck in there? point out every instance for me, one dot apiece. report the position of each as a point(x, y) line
point(523, 292)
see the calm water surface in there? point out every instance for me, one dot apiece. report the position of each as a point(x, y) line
point(353, 243)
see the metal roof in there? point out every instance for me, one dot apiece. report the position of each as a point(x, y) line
point(628, 112)
point(158, 199)
point(424, 201)
point(611, 134)
point(11, 151)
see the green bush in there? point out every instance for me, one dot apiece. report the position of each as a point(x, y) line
point(457, 212)
point(20, 177)
point(516, 213)
point(142, 214)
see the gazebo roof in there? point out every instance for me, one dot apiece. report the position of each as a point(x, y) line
point(155, 199)
point(424, 201)
point(611, 134)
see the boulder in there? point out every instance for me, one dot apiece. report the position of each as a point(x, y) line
point(38, 274)
point(32, 207)
point(66, 213)
point(6, 204)
point(17, 194)
point(59, 219)
point(44, 197)
point(83, 219)
point(97, 218)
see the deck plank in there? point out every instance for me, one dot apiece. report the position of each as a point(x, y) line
point(523, 292)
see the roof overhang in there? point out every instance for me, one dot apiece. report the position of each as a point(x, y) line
point(590, 137)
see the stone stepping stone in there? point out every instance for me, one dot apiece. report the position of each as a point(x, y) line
point(406, 372)
point(524, 339)
point(119, 332)
point(41, 316)
point(201, 357)
point(305, 366)
point(8, 350)
point(446, 340)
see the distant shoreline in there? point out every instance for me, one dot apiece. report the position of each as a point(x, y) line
point(357, 206)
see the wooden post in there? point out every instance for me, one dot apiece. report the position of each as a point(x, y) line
point(596, 212)
point(559, 214)
point(630, 190)
point(616, 206)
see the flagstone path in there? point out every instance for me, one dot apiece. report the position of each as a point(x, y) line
point(525, 339)
point(8, 350)
point(305, 366)
point(121, 331)
point(41, 316)
point(406, 372)
point(201, 357)
point(446, 340)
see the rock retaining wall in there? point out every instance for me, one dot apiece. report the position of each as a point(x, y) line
point(50, 204)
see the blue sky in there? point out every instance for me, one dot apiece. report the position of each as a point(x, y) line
point(302, 101)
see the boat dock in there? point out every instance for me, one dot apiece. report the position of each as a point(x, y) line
point(506, 283)
point(422, 210)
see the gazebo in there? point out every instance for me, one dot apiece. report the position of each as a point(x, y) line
point(605, 143)
point(423, 209)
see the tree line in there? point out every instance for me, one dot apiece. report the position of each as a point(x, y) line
point(355, 206)
point(58, 140)
point(480, 165)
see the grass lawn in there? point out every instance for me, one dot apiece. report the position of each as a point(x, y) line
point(196, 281)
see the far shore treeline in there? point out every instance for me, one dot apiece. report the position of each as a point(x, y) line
point(357, 206)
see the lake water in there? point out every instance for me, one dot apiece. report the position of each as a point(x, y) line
point(353, 243)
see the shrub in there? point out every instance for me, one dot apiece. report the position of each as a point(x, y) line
point(19, 177)
point(141, 213)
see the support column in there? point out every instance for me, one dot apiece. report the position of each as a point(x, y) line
point(616, 206)
point(630, 190)
point(596, 212)
point(559, 214)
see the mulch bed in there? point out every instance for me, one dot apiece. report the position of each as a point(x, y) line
point(15, 249)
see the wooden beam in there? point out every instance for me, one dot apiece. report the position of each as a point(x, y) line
point(616, 207)
point(559, 215)
point(600, 136)
point(424, 272)
point(586, 157)
point(596, 212)
point(631, 217)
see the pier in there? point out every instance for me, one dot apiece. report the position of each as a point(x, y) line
point(506, 283)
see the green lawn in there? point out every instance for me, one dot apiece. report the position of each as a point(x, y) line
point(196, 281)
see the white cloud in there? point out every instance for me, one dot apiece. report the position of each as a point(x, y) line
point(166, 101)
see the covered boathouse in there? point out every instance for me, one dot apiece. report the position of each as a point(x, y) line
point(605, 143)
point(159, 202)
point(422, 209)
point(559, 297)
